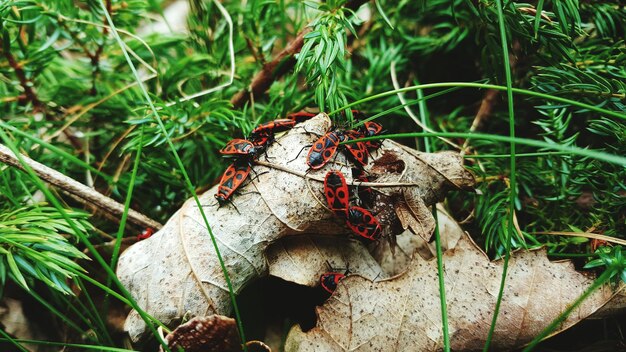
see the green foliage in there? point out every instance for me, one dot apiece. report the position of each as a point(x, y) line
point(613, 259)
point(322, 56)
point(70, 101)
point(34, 245)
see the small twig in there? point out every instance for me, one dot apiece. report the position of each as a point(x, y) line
point(95, 58)
point(86, 195)
point(283, 62)
point(258, 56)
point(24, 82)
point(89, 107)
point(351, 183)
point(308, 185)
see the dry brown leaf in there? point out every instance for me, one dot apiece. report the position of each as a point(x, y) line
point(415, 216)
point(302, 259)
point(215, 333)
point(403, 313)
point(394, 261)
point(176, 271)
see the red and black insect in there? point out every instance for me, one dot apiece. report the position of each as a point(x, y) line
point(241, 147)
point(145, 234)
point(370, 129)
point(300, 116)
point(365, 194)
point(233, 178)
point(330, 280)
point(336, 192)
point(363, 223)
point(272, 127)
point(262, 141)
point(356, 151)
point(323, 149)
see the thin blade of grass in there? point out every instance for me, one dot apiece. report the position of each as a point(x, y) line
point(484, 86)
point(512, 174)
point(181, 167)
point(591, 153)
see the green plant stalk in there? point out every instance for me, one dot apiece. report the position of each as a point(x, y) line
point(518, 155)
point(95, 316)
point(512, 174)
point(79, 308)
point(64, 344)
point(440, 269)
point(56, 312)
point(409, 103)
point(442, 287)
point(122, 226)
point(118, 296)
point(129, 196)
point(484, 86)
point(591, 153)
point(15, 342)
point(183, 171)
point(601, 280)
point(423, 116)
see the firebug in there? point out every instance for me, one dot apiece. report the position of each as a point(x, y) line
point(336, 192)
point(363, 223)
point(233, 178)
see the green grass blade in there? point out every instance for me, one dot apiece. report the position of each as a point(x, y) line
point(442, 287)
point(591, 153)
point(512, 175)
point(15, 342)
point(129, 197)
point(63, 344)
point(520, 91)
point(179, 162)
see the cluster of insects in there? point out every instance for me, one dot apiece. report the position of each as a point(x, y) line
point(245, 151)
point(360, 220)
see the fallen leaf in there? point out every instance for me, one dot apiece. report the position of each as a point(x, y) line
point(415, 216)
point(215, 333)
point(176, 271)
point(404, 313)
point(302, 259)
point(394, 261)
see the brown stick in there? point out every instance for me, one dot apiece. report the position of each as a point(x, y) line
point(24, 82)
point(283, 62)
point(350, 183)
point(83, 193)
